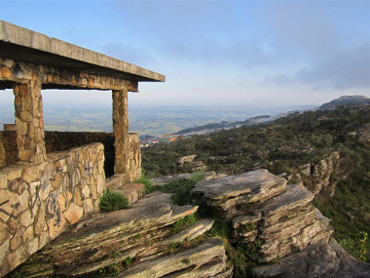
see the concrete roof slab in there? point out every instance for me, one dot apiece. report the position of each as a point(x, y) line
point(23, 44)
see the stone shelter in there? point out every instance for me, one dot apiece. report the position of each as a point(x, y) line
point(44, 189)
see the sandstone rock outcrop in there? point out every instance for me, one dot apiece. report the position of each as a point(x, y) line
point(146, 240)
point(278, 219)
point(317, 176)
point(188, 163)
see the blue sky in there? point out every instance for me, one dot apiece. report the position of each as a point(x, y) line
point(221, 53)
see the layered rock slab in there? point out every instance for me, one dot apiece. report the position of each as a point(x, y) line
point(232, 195)
point(205, 260)
point(277, 218)
point(143, 232)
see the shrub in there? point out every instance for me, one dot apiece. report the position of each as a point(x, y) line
point(111, 201)
point(145, 179)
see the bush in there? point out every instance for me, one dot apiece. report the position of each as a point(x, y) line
point(111, 201)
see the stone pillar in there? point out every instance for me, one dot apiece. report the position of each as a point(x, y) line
point(120, 129)
point(2, 151)
point(29, 121)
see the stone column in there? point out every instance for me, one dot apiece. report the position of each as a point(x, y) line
point(2, 152)
point(29, 121)
point(120, 129)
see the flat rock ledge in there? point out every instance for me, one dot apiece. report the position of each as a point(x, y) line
point(205, 260)
point(278, 219)
point(144, 241)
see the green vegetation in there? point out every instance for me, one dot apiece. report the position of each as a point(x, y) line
point(356, 245)
point(284, 146)
point(249, 227)
point(145, 179)
point(182, 224)
point(181, 189)
point(114, 269)
point(111, 269)
point(236, 252)
point(111, 201)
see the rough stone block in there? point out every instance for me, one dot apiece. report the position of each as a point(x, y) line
point(28, 234)
point(13, 172)
point(56, 225)
point(3, 181)
point(8, 200)
point(17, 240)
point(73, 214)
point(3, 232)
point(33, 246)
point(31, 173)
point(25, 219)
point(5, 72)
point(4, 249)
point(25, 155)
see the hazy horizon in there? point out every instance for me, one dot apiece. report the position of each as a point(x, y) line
point(221, 53)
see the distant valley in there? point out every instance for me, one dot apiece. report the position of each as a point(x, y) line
point(156, 121)
point(144, 120)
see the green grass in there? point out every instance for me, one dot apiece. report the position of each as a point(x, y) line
point(182, 224)
point(111, 201)
point(145, 179)
point(235, 252)
point(181, 189)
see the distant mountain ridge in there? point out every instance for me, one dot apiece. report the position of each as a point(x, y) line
point(212, 127)
point(346, 101)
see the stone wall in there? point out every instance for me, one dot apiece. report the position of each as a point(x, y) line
point(61, 141)
point(39, 202)
point(8, 148)
point(2, 151)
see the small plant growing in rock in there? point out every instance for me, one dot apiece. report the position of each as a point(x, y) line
point(128, 261)
point(249, 228)
point(145, 179)
point(111, 201)
point(181, 189)
point(112, 269)
point(185, 261)
point(182, 224)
